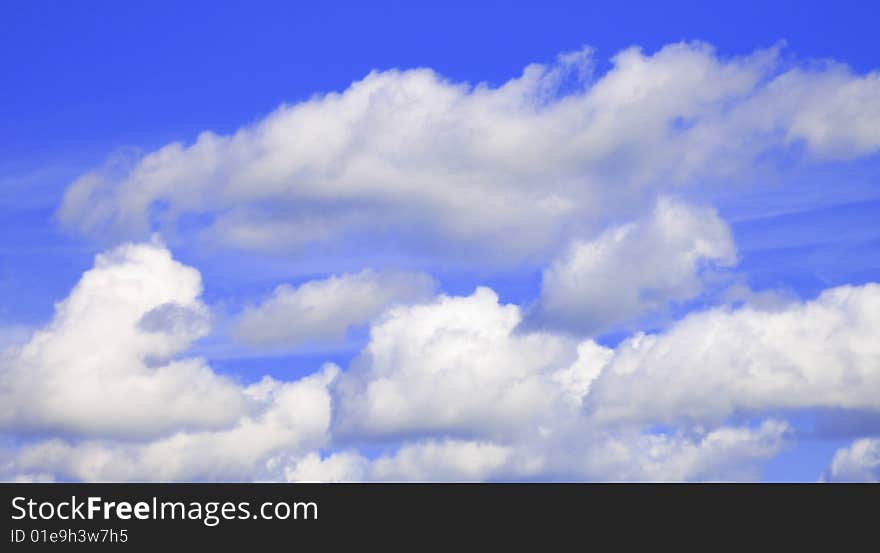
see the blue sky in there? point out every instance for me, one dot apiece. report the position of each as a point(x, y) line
point(768, 155)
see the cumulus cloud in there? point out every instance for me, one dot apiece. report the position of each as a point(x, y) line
point(712, 364)
point(449, 460)
point(860, 462)
point(422, 461)
point(834, 113)
point(106, 364)
point(498, 403)
point(453, 366)
point(293, 417)
point(485, 173)
point(348, 466)
point(462, 390)
point(461, 367)
point(634, 269)
point(320, 312)
point(727, 453)
point(722, 454)
point(106, 376)
point(538, 171)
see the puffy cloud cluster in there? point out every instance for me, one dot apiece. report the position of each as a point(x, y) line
point(634, 269)
point(723, 454)
point(294, 417)
point(420, 461)
point(469, 395)
point(462, 389)
point(452, 366)
point(322, 311)
point(459, 365)
point(106, 364)
point(447, 168)
point(105, 378)
point(541, 169)
point(712, 364)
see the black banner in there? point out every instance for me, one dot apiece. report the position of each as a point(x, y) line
point(63, 517)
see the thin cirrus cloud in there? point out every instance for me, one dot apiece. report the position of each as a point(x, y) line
point(434, 165)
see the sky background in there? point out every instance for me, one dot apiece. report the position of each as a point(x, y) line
point(86, 82)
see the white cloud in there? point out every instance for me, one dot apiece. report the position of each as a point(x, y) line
point(464, 390)
point(833, 112)
point(320, 312)
point(422, 461)
point(453, 366)
point(459, 367)
point(860, 462)
point(458, 388)
point(449, 460)
point(722, 454)
point(819, 353)
point(106, 363)
point(481, 173)
point(635, 268)
point(346, 466)
point(104, 375)
point(293, 417)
